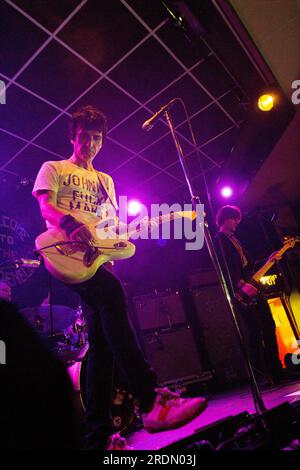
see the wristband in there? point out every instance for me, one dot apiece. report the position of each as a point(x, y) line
point(69, 224)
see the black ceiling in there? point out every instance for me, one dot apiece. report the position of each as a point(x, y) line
point(128, 58)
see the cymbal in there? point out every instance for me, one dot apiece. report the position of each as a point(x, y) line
point(39, 317)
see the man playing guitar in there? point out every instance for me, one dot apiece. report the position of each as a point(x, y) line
point(70, 193)
point(256, 320)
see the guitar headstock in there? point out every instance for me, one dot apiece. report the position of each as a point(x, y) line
point(290, 242)
point(186, 214)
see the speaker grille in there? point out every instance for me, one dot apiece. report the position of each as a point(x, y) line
point(173, 355)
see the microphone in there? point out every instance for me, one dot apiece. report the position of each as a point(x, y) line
point(27, 263)
point(21, 263)
point(149, 124)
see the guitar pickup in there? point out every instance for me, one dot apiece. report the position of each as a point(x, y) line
point(68, 250)
point(120, 245)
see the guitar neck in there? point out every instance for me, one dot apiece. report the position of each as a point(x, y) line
point(262, 271)
point(164, 218)
point(268, 265)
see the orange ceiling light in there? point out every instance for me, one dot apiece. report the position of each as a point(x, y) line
point(266, 102)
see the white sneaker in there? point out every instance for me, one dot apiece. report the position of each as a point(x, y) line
point(170, 411)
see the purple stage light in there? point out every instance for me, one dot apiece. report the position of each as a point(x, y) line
point(134, 207)
point(226, 191)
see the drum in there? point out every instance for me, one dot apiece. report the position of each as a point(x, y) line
point(39, 318)
point(76, 334)
point(123, 405)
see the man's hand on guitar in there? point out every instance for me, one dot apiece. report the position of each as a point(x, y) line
point(82, 234)
point(75, 230)
point(248, 289)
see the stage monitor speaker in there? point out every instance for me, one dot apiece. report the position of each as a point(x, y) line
point(173, 355)
point(161, 310)
point(218, 333)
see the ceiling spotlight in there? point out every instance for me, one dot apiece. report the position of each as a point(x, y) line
point(134, 207)
point(226, 191)
point(24, 181)
point(266, 102)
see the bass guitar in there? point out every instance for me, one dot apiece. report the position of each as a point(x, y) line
point(245, 299)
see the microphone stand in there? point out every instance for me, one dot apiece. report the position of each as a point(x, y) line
point(50, 298)
point(257, 397)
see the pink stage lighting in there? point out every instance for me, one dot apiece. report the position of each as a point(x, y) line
point(134, 207)
point(226, 191)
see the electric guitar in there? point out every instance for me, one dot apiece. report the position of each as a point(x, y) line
point(74, 262)
point(244, 298)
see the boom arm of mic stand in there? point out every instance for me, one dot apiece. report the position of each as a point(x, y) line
point(257, 397)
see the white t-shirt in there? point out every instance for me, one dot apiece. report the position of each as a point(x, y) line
point(79, 191)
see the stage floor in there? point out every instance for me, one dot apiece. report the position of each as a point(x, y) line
point(221, 405)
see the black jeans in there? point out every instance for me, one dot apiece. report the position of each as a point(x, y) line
point(258, 329)
point(111, 337)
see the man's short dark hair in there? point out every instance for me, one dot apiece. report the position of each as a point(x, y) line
point(90, 119)
point(227, 212)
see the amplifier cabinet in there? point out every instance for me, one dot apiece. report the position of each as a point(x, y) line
point(161, 310)
point(173, 355)
point(218, 334)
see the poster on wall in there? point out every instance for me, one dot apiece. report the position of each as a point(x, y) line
point(15, 243)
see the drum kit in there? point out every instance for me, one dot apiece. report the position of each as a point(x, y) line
point(66, 332)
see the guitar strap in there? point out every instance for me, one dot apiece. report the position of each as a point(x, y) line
point(105, 192)
point(239, 249)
